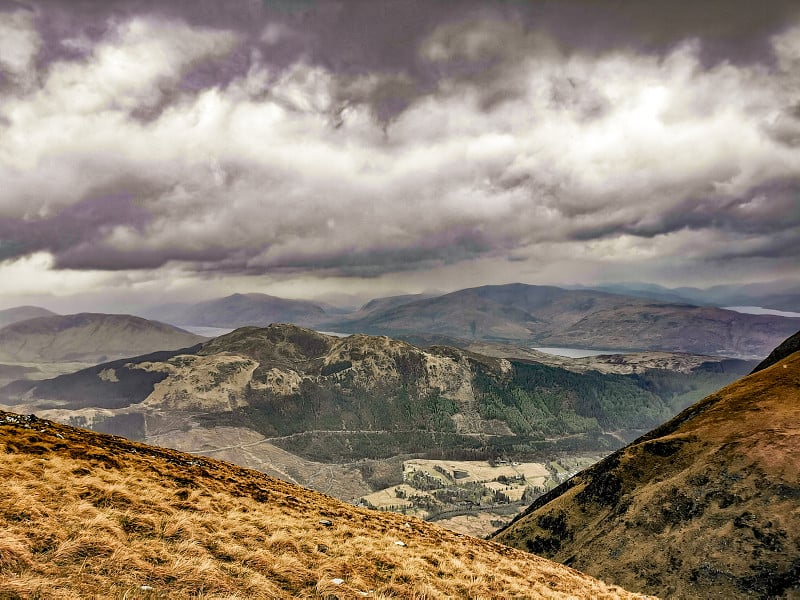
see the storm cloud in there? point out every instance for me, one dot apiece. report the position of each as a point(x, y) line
point(359, 140)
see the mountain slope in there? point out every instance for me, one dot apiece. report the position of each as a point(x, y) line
point(239, 310)
point(22, 313)
point(553, 316)
point(88, 337)
point(706, 505)
point(89, 515)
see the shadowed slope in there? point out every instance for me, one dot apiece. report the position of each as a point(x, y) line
point(706, 505)
point(90, 515)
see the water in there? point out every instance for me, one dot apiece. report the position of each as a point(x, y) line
point(577, 352)
point(207, 331)
point(217, 331)
point(758, 310)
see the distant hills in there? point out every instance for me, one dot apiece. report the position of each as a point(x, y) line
point(551, 316)
point(85, 515)
point(239, 310)
point(87, 337)
point(777, 295)
point(707, 505)
point(22, 313)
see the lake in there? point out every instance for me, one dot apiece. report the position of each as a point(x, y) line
point(577, 352)
point(758, 310)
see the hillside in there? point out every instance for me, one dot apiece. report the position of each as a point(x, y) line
point(706, 505)
point(551, 316)
point(239, 310)
point(88, 337)
point(89, 515)
point(22, 313)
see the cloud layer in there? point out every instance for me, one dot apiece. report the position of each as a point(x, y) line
point(237, 146)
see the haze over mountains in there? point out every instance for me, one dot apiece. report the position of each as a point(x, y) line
point(239, 310)
point(704, 506)
point(22, 313)
point(777, 295)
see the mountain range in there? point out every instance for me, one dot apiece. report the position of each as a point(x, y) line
point(551, 316)
point(703, 506)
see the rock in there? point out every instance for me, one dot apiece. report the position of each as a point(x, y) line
point(326, 522)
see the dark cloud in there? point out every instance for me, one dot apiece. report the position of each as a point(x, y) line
point(358, 139)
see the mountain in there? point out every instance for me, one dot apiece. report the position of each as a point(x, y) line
point(551, 316)
point(88, 337)
point(706, 505)
point(379, 305)
point(239, 310)
point(778, 295)
point(264, 392)
point(95, 516)
point(22, 313)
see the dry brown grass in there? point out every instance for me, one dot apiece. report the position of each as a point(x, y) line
point(83, 515)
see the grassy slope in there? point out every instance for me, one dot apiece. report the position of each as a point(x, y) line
point(88, 515)
point(707, 505)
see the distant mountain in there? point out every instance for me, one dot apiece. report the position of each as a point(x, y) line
point(239, 310)
point(84, 515)
point(22, 313)
point(377, 305)
point(777, 295)
point(551, 316)
point(707, 505)
point(88, 337)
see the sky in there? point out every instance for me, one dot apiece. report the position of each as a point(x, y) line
point(158, 151)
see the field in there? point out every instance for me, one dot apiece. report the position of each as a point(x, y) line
point(472, 497)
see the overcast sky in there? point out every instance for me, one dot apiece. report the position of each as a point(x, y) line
point(153, 151)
